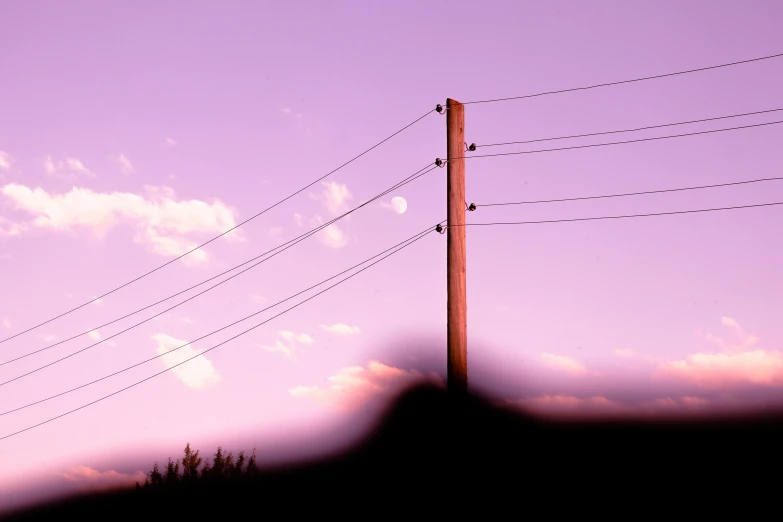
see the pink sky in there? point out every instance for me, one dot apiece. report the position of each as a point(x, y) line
point(130, 133)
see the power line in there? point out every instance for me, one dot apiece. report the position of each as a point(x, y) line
point(297, 239)
point(628, 130)
point(408, 243)
point(222, 234)
point(312, 232)
point(420, 234)
point(623, 142)
point(626, 81)
point(631, 193)
point(623, 217)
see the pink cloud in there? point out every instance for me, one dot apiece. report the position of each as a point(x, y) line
point(568, 405)
point(735, 365)
point(599, 406)
point(725, 370)
point(334, 197)
point(5, 161)
point(624, 352)
point(91, 479)
point(161, 220)
point(563, 363)
point(355, 386)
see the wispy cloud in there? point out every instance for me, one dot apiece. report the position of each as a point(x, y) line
point(735, 364)
point(341, 328)
point(170, 142)
point(563, 363)
point(5, 161)
point(302, 338)
point(331, 236)
point(354, 386)
point(196, 373)
point(333, 197)
point(624, 352)
point(96, 336)
point(69, 168)
point(7, 322)
point(290, 348)
point(10, 228)
point(162, 222)
point(298, 219)
point(87, 478)
point(125, 165)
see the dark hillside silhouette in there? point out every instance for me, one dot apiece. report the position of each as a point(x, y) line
point(434, 454)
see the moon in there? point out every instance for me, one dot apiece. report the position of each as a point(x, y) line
point(399, 205)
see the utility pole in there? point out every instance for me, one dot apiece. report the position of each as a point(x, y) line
point(457, 368)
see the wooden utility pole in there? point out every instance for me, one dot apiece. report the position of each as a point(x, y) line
point(457, 367)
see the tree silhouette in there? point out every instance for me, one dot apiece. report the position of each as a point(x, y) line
point(252, 469)
point(190, 465)
point(223, 468)
point(172, 473)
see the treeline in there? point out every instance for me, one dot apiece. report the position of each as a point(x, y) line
point(189, 470)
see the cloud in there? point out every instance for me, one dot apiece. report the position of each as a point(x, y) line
point(7, 323)
point(89, 478)
point(333, 237)
point(96, 336)
point(334, 197)
point(293, 340)
point(600, 406)
point(278, 346)
point(97, 302)
point(286, 110)
point(563, 363)
point(275, 231)
point(342, 329)
point(259, 298)
point(725, 370)
point(171, 142)
point(188, 320)
point(298, 220)
point(161, 220)
point(125, 165)
point(68, 168)
point(292, 337)
point(48, 338)
point(568, 405)
point(5, 161)
point(354, 386)
point(735, 365)
point(9, 228)
point(196, 373)
point(624, 352)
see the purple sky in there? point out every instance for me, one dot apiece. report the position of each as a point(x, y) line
point(132, 132)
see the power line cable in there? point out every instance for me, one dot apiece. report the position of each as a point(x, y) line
point(631, 193)
point(312, 232)
point(221, 329)
point(297, 239)
point(408, 243)
point(222, 234)
point(621, 142)
point(625, 81)
point(620, 217)
point(628, 130)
